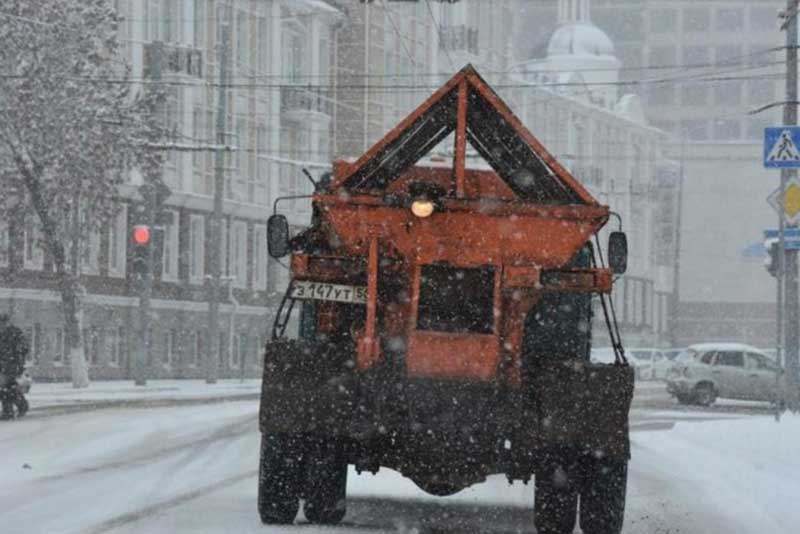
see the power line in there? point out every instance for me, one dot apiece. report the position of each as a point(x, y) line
point(389, 88)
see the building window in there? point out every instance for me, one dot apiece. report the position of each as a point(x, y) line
point(729, 18)
point(696, 19)
point(695, 95)
point(696, 56)
point(197, 238)
point(663, 56)
point(242, 34)
point(264, 47)
point(122, 345)
point(200, 22)
point(727, 93)
point(662, 95)
point(34, 256)
point(764, 18)
point(239, 350)
point(222, 349)
point(259, 257)
point(199, 133)
point(4, 243)
point(111, 346)
point(239, 253)
point(727, 129)
point(167, 354)
point(34, 336)
point(695, 129)
point(117, 243)
point(58, 346)
point(728, 54)
point(198, 347)
point(170, 21)
point(91, 343)
point(169, 259)
point(663, 20)
point(152, 18)
point(761, 91)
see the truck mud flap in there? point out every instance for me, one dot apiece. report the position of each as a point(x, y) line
point(306, 388)
point(584, 406)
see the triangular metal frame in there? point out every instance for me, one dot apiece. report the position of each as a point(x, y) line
point(468, 105)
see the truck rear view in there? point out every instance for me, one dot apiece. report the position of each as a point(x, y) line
point(445, 326)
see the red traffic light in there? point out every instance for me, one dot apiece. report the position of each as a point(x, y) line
point(141, 234)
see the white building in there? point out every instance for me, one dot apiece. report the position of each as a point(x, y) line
point(571, 101)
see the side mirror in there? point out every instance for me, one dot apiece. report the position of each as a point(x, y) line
point(618, 252)
point(277, 236)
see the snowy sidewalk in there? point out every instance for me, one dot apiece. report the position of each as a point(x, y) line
point(48, 397)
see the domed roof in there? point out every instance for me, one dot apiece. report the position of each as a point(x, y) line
point(580, 38)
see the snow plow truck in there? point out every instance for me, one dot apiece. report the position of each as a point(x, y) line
point(443, 322)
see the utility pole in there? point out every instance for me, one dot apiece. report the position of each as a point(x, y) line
point(676, 269)
point(791, 328)
point(214, 262)
point(144, 281)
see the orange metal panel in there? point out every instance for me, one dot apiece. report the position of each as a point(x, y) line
point(368, 344)
point(452, 356)
point(459, 158)
point(520, 276)
point(464, 238)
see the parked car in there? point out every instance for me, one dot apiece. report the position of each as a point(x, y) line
point(707, 371)
point(648, 364)
point(671, 354)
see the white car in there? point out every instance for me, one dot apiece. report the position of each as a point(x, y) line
point(648, 364)
point(731, 370)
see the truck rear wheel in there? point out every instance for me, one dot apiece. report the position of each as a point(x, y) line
point(326, 483)
point(603, 496)
point(280, 478)
point(555, 501)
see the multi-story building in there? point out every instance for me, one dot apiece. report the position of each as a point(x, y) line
point(701, 67)
point(274, 126)
point(571, 99)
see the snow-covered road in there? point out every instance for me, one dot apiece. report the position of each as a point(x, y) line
point(191, 469)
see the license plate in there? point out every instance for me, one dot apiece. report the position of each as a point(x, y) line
point(305, 289)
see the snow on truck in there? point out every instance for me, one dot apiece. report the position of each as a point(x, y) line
point(445, 325)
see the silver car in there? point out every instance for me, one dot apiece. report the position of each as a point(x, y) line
point(730, 370)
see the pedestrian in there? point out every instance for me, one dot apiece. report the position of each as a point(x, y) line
point(13, 350)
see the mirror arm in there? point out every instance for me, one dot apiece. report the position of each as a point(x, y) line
point(618, 217)
point(289, 197)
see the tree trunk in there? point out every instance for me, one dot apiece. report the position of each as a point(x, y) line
point(67, 283)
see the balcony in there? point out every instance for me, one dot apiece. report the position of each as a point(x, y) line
point(299, 102)
point(174, 59)
point(459, 39)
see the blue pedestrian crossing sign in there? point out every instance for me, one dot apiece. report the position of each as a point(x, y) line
point(781, 147)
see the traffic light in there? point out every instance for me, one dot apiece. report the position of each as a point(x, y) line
point(772, 262)
point(141, 238)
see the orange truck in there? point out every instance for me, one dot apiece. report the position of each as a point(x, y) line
point(444, 326)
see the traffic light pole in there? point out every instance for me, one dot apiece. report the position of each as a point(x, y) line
point(144, 281)
point(791, 326)
point(214, 262)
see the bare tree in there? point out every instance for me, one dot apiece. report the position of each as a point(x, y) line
point(72, 128)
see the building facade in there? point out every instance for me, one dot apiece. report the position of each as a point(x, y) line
point(274, 126)
point(702, 67)
point(572, 100)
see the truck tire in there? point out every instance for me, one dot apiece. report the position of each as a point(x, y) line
point(280, 478)
point(603, 496)
point(326, 483)
point(555, 502)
